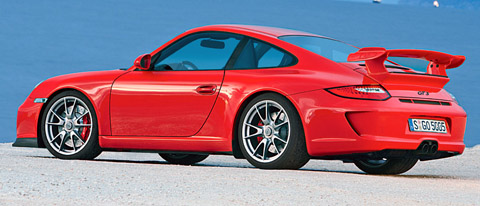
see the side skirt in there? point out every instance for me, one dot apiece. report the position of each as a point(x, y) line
point(178, 144)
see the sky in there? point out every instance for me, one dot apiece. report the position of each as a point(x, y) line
point(42, 39)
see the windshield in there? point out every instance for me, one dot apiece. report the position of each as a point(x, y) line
point(332, 49)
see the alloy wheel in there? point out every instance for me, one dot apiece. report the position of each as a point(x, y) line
point(266, 131)
point(68, 125)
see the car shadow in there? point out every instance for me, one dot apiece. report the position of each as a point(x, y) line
point(159, 162)
point(396, 176)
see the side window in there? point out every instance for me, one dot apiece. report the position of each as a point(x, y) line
point(203, 51)
point(257, 54)
point(332, 49)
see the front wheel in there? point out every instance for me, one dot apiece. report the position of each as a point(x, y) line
point(386, 166)
point(183, 159)
point(270, 134)
point(69, 127)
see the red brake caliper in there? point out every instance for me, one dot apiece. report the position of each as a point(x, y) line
point(85, 130)
point(259, 138)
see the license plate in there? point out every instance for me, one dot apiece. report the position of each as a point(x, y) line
point(427, 125)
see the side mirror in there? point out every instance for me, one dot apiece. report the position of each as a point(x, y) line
point(143, 62)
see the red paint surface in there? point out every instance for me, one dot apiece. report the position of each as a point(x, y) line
point(162, 103)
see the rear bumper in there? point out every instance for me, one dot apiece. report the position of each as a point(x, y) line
point(339, 126)
point(364, 144)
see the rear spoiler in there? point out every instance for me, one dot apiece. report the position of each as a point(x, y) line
point(375, 58)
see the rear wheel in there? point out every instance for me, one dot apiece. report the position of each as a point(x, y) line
point(386, 166)
point(69, 127)
point(183, 159)
point(270, 134)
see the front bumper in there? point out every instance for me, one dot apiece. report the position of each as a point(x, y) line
point(25, 142)
point(339, 126)
point(27, 118)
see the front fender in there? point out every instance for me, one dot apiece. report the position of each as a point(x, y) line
point(94, 85)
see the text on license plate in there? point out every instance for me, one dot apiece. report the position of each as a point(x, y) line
point(427, 125)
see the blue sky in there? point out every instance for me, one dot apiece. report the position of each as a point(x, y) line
point(42, 39)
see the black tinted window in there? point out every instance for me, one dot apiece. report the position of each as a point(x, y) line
point(257, 54)
point(204, 51)
point(334, 50)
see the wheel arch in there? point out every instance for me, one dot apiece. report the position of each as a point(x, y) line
point(40, 142)
point(237, 153)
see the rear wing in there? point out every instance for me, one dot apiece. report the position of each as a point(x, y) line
point(375, 58)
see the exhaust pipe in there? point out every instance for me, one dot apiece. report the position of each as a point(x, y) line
point(433, 149)
point(425, 148)
point(428, 147)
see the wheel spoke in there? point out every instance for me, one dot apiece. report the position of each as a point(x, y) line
point(73, 108)
point(74, 133)
point(281, 124)
point(81, 116)
point(73, 141)
point(252, 135)
point(265, 149)
point(65, 105)
point(259, 131)
point(55, 123)
point(62, 133)
point(56, 115)
point(259, 115)
point(267, 116)
point(275, 146)
point(62, 143)
point(281, 140)
point(253, 126)
point(258, 146)
point(278, 115)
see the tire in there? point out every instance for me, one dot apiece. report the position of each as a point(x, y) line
point(386, 166)
point(183, 159)
point(273, 141)
point(69, 127)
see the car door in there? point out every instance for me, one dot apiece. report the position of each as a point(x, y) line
point(174, 97)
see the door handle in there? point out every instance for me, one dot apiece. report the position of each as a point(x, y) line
point(206, 89)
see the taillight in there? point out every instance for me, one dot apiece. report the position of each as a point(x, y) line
point(453, 98)
point(367, 92)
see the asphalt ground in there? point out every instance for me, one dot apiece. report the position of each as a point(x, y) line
point(30, 176)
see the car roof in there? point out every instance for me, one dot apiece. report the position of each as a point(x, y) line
point(265, 30)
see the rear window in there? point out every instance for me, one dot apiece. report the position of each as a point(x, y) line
point(257, 54)
point(338, 51)
point(332, 49)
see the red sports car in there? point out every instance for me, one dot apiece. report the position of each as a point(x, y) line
point(275, 97)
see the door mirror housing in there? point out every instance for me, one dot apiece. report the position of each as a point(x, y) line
point(143, 62)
